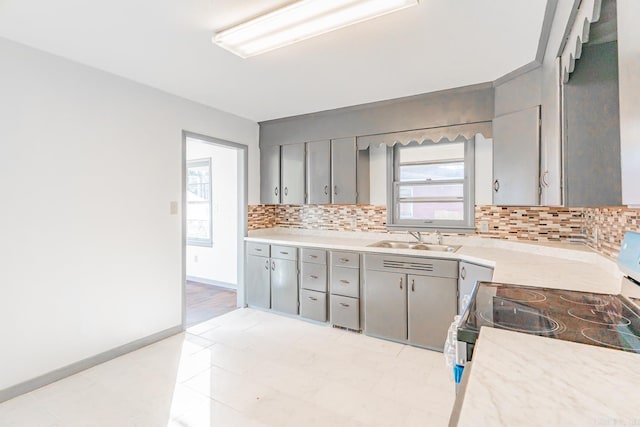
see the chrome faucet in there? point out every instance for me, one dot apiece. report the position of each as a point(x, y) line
point(417, 235)
point(438, 237)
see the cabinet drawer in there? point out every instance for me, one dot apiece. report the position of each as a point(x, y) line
point(313, 305)
point(258, 249)
point(345, 281)
point(284, 252)
point(345, 312)
point(316, 256)
point(345, 259)
point(314, 277)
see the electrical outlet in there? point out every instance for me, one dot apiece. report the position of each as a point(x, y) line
point(483, 226)
point(195, 258)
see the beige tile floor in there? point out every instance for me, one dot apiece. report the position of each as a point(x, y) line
point(250, 368)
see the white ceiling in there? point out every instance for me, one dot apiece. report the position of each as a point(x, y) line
point(166, 44)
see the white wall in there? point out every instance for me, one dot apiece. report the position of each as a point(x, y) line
point(218, 262)
point(629, 71)
point(90, 258)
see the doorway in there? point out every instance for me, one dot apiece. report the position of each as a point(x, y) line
point(214, 224)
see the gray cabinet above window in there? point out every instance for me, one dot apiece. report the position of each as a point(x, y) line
point(516, 158)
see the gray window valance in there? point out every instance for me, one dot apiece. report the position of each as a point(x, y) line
point(437, 134)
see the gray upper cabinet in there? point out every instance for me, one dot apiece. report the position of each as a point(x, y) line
point(516, 158)
point(318, 172)
point(292, 174)
point(270, 175)
point(343, 171)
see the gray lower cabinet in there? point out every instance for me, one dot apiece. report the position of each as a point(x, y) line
point(258, 281)
point(344, 284)
point(270, 175)
point(432, 305)
point(468, 276)
point(345, 312)
point(284, 285)
point(313, 305)
point(386, 305)
point(292, 174)
point(313, 284)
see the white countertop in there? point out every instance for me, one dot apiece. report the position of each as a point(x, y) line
point(520, 379)
point(552, 265)
point(526, 380)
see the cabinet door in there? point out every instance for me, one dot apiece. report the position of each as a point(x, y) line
point(270, 175)
point(258, 285)
point(385, 305)
point(467, 277)
point(292, 169)
point(432, 307)
point(318, 172)
point(516, 158)
point(284, 286)
point(343, 170)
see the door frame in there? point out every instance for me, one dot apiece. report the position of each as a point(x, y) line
point(243, 195)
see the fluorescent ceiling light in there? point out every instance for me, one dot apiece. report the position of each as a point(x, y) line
point(301, 20)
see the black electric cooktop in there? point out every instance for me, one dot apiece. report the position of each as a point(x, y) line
point(609, 321)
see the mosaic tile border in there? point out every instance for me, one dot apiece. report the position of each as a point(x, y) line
point(524, 223)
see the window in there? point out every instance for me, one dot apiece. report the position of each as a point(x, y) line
point(199, 228)
point(432, 186)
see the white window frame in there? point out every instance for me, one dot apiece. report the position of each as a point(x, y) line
point(394, 222)
point(192, 241)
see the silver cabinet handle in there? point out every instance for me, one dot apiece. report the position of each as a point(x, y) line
point(335, 190)
point(496, 185)
point(284, 253)
point(326, 189)
point(258, 250)
point(344, 259)
point(266, 265)
point(345, 282)
point(463, 273)
point(273, 265)
point(344, 305)
point(413, 285)
point(286, 191)
point(313, 298)
point(313, 276)
point(401, 283)
point(313, 256)
point(275, 191)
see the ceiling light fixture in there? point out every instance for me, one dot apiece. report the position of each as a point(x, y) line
point(299, 21)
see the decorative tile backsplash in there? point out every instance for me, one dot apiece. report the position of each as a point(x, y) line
point(333, 217)
point(261, 216)
point(605, 227)
point(537, 223)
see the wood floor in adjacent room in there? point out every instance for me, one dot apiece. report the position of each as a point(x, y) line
point(250, 368)
point(205, 302)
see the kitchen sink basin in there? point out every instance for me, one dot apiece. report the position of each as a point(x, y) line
point(393, 244)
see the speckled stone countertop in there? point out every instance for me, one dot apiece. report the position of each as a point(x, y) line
point(552, 265)
point(526, 380)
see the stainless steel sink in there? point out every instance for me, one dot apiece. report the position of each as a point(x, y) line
point(394, 244)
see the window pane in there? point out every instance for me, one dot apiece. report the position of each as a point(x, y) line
point(432, 152)
point(431, 191)
point(198, 192)
point(432, 211)
point(434, 172)
point(198, 219)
